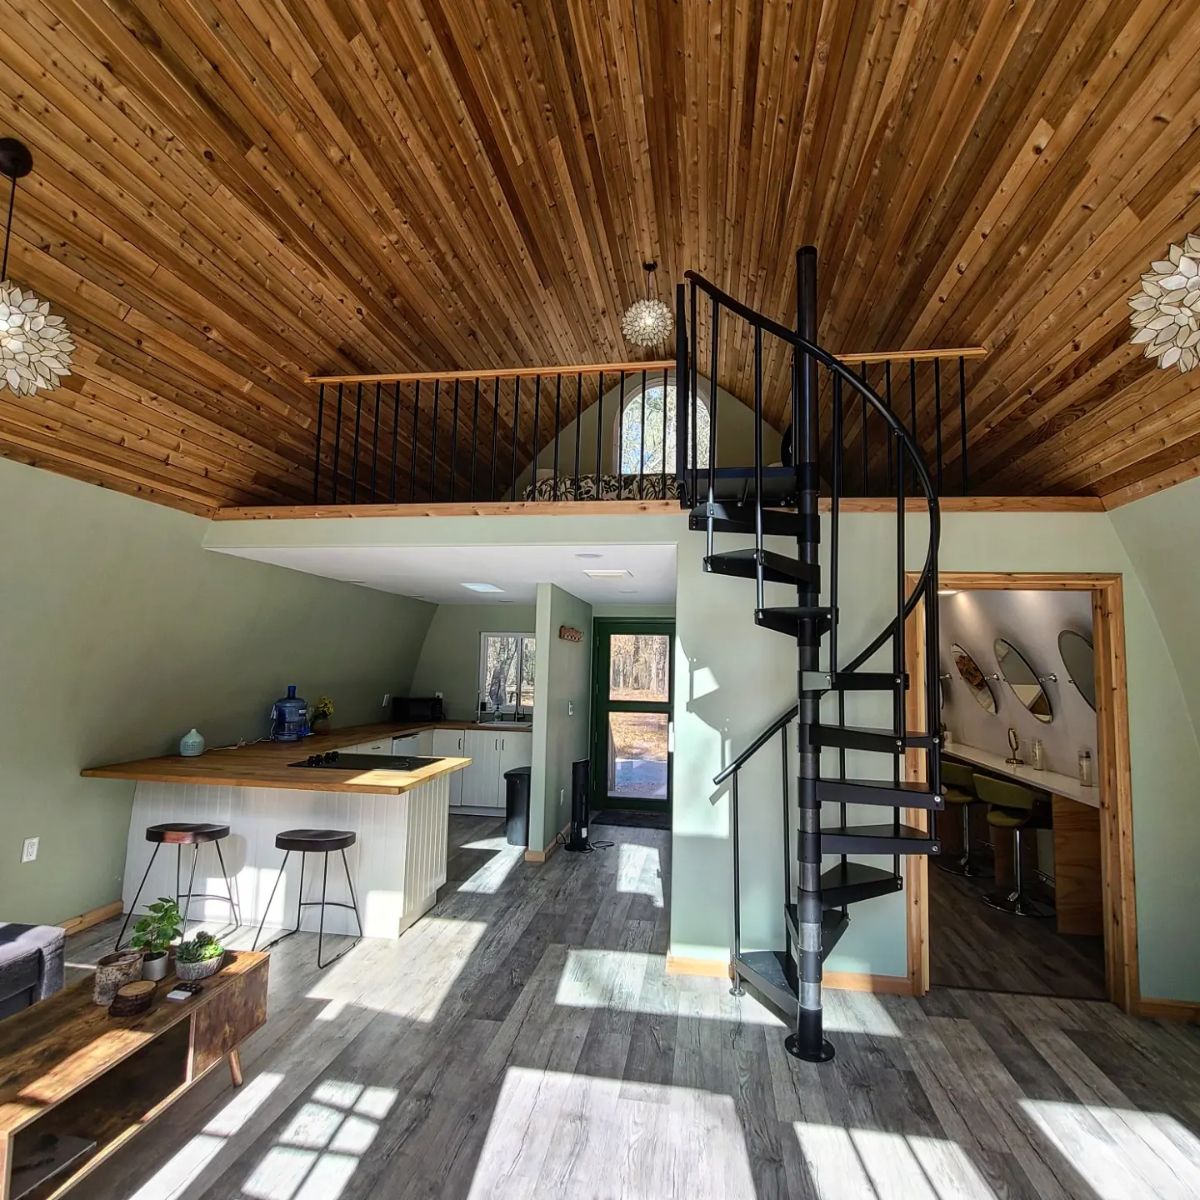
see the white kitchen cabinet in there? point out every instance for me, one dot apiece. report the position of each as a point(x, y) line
point(479, 779)
point(378, 746)
point(406, 745)
point(448, 743)
point(516, 750)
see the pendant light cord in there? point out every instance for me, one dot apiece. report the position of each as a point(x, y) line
point(12, 196)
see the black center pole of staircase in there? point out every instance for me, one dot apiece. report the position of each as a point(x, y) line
point(808, 1041)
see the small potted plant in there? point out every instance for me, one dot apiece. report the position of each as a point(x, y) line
point(199, 957)
point(153, 935)
point(321, 712)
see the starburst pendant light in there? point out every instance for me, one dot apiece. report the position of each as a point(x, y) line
point(35, 345)
point(1166, 312)
point(647, 322)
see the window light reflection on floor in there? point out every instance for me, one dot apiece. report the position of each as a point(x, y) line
point(639, 871)
point(490, 877)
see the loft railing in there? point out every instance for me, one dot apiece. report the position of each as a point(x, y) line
point(558, 432)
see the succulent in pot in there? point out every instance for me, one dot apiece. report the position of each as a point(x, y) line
point(153, 935)
point(199, 957)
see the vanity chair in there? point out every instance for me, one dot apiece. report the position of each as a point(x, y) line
point(1011, 807)
point(959, 793)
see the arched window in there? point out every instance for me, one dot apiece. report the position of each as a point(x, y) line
point(645, 433)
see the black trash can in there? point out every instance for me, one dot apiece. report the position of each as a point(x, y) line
point(516, 785)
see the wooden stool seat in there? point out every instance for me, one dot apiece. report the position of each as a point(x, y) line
point(1011, 806)
point(315, 841)
point(186, 833)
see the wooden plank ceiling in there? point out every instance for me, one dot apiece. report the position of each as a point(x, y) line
point(230, 194)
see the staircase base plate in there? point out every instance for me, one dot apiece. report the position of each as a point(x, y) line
point(792, 1045)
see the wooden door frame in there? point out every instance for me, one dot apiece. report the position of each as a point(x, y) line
point(1116, 790)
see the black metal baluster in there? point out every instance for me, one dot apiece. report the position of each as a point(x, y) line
point(893, 445)
point(412, 469)
point(515, 433)
point(898, 645)
point(316, 492)
point(937, 417)
point(337, 445)
point(578, 428)
point(537, 433)
point(713, 391)
point(375, 446)
point(962, 420)
point(599, 433)
point(642, 450)
point(760, 583)
point(866, 469)
point(912, 406)
point(474, 437)
point(454, 444)
point(557, 430)
point(395, 437)
point(694, 396)
point(357, 433)
point(495, 436)
point(839, 435)
point(663, 493)
point(437, 398)
point(621, 440)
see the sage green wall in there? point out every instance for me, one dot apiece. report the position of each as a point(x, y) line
point(1161, 534)
point(735, 435)
point(449, 661)
point(118, 632)
point(733, 678)
point(561, 712)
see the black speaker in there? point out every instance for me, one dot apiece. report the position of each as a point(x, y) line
point(581, 778)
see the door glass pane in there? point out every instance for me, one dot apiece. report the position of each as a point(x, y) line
point(640, 667)
point(637, 755)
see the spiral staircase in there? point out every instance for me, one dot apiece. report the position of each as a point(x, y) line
point(823, 878)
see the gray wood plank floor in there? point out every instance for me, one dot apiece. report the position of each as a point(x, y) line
point(974, 946)
point(524, 1041)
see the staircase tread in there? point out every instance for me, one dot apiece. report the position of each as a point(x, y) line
point(888, 830)
point(851, 873)
point(912, 787)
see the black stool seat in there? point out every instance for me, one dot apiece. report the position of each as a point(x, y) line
point(315, 841)
point(185, 833)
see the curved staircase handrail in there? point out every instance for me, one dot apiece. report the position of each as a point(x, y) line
point(868, 393)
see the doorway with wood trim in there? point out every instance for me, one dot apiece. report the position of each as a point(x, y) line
point(1112, 826)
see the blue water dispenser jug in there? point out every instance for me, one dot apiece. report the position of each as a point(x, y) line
point(289, 717)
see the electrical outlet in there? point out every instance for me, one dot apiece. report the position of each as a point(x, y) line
point(570, 708)
point(29, 849)
point(387, 699)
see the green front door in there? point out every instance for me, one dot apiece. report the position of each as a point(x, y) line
point(633, 675)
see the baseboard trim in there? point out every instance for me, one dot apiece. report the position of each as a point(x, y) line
point(1168, 1010)
point(540, 856)
point(96, 916)
point(883, 985)
point(705, 968)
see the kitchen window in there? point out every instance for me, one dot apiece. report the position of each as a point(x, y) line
point(506, 665)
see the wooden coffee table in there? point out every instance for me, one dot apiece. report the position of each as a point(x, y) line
point(70, 1074)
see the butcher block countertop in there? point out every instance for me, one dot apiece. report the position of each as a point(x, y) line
point(265, 764)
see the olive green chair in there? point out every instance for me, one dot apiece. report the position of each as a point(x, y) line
point(958, 782)
point(1011, 807)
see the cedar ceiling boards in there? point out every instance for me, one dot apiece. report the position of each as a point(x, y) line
point(229, 195)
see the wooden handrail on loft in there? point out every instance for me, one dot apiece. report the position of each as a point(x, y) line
point(666, 364)
point(903, 356)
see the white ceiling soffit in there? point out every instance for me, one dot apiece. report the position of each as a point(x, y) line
point(437, 573)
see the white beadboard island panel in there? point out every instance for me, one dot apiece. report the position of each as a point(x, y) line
point(397, 864)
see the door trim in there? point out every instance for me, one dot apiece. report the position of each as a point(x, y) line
point(1122, 981)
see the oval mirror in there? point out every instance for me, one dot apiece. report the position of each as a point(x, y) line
point(973, 677)
point(1023, 680)
point(1076, 651)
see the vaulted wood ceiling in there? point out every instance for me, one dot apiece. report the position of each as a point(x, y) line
point(231, 194)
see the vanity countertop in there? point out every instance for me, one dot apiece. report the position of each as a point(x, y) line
point(1043, 781)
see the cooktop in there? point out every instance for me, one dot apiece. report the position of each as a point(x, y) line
point(334, 760)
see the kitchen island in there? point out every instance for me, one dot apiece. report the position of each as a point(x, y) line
point(400, 816)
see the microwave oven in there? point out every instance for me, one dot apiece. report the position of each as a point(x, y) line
point(411, 709)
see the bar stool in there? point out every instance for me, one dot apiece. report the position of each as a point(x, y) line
point(1011, 806)
point(180, 834)
point(960, 792)
point(314, 841)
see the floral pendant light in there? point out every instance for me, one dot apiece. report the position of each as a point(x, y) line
point(1166, 312)
point(35, 345)
point(647, 322)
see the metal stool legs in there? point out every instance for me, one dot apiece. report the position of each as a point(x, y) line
point(1016, 902)
point(962, 865)
point(323, 903)
point(137, 896)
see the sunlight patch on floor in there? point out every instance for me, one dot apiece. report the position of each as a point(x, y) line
point(490, 878)
point(639, 871)
point(556, 1134)
point(1100, 1142)
point(175, 1177)
point(319, 1150)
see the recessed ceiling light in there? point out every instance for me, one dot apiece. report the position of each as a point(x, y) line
point(947, 591)
point(588, 554)
point(606, 574)
point(482, 587)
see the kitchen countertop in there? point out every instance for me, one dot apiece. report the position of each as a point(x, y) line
point(265, 764)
